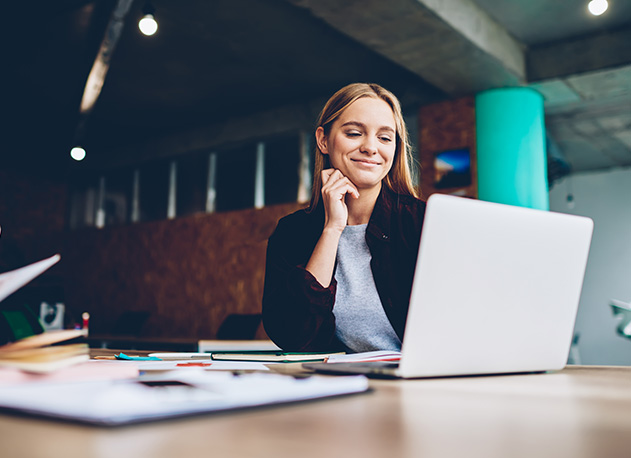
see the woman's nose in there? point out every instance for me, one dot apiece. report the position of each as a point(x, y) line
point(369, 145)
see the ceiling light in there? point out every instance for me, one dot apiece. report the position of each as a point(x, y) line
point(597, 7)
point(77, 153)
point(148, 24)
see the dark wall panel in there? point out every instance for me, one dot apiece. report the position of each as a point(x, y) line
point(32, 214)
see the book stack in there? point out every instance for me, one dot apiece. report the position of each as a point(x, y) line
point(45, 353)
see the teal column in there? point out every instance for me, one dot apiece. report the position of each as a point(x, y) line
point(511, 147)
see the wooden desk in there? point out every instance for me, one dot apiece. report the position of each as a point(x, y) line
point(578, 412)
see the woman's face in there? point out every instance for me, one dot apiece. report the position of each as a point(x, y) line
point(362, 142)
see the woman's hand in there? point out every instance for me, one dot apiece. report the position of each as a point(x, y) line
point(335, 187)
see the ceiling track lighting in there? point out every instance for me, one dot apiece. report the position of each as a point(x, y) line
point(148, 24)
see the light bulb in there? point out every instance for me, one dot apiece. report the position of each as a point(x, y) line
point(148, 25)
point(77, 153)
point(597, 7)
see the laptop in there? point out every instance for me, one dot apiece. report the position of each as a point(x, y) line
point(496, 290)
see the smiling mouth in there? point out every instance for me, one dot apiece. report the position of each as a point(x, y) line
point(364, 161)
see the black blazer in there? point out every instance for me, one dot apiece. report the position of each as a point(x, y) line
point(298, 310)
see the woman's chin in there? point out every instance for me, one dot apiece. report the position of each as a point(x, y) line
point(365, 185)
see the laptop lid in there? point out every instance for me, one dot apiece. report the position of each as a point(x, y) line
point(496, 289)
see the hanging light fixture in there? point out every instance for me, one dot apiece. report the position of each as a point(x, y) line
point(148, 24)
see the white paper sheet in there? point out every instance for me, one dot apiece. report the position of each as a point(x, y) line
point(13, 280)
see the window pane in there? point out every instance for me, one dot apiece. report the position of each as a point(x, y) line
point(154, 191)
point(118, 195)
point(235, 178)
point(83, 197)
point(192, 177)
point(282, 159)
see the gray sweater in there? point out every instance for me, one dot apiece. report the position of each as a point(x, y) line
point(360, 321)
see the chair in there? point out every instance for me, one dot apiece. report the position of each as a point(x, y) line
point(239, 327)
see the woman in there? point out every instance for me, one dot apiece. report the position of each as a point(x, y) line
point(339, 274)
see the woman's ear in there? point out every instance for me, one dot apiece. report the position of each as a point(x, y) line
point(321, 140)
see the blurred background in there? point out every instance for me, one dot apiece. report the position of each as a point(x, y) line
point(189, 144)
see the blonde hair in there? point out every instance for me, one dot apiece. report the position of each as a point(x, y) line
point(399, 178)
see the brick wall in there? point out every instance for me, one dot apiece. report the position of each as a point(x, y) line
point(446, 126)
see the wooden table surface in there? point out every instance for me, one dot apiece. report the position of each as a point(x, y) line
point(581, 411)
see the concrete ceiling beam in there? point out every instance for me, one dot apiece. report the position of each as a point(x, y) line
point(580, 55)
point(453, 44)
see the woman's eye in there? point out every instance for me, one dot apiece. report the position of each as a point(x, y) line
point(353, 134)
point(385, 139)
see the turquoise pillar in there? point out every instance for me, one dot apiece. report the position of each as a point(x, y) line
point(511, 147)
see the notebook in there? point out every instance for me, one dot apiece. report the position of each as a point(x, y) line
point(496, 290)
